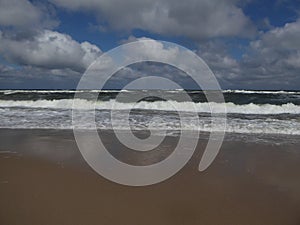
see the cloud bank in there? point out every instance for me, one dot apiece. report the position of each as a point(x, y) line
point(270, 60)
point(195, 19)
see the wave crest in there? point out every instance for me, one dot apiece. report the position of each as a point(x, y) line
point(201, 107)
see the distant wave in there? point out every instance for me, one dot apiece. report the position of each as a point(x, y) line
point(202, 107)
point(9, 92)
point(260, 92)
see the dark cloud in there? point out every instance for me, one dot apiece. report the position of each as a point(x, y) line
point(156, 69)
point(191, 18)
point(270, 62)
point(24, 15)
point(29, 77)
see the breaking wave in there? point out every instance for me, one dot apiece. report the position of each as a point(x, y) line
point(202, 107)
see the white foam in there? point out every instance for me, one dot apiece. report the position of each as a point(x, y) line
point(251, 108)
point(244, 127)
point(56, 114)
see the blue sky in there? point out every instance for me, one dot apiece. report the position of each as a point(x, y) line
point(248, 44)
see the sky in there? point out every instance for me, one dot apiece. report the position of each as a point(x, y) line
point(248, 44)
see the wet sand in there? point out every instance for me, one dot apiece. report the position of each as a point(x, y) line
point(44, 180)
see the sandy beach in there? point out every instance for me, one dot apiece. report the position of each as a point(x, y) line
point(44, 180)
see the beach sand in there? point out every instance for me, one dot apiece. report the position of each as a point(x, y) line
point(44, 180)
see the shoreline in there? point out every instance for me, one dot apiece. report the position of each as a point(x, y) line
point(44, 180)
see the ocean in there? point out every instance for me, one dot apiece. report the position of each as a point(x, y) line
point(254, 178)
point(248, 112)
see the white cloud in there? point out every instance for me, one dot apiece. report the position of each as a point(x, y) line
point(151, 48)
point(272, 61)
point(191, 18)
point(278, 50)
point(49, 49)
point(286, 37)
